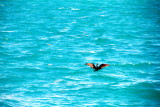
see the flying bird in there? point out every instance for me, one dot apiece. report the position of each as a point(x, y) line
point(96, 67)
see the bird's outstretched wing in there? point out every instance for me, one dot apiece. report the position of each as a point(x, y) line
point(91, 65)
point(103, 65)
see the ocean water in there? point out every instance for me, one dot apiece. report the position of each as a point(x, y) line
point(46, 43)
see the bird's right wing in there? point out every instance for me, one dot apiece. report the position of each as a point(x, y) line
point(91, 65)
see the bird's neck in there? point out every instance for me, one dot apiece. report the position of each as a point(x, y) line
point(96, 65)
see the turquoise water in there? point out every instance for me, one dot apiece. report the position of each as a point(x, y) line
point(46, 43)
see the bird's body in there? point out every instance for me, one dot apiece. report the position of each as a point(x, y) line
point(96, 67)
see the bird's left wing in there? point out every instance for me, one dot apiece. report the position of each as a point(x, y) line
point(103, 65)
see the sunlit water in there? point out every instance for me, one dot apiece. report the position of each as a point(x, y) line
point(46, 43)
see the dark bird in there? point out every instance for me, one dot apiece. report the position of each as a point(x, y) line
point(96, 67)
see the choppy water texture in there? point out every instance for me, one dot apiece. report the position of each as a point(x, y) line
point(46, 43)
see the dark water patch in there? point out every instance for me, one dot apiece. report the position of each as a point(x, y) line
point(9, 103)
point(2, 104)
point(143, 85)
point(136, 65)
point(150, 94)
point(63, 69)
point(13, 79)
point(103, 78)
point(127, 37)
point(145, 90)
point(78, 72)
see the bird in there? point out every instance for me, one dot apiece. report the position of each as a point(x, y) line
point(96, 67)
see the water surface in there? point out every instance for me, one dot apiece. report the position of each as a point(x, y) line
point(45, 45)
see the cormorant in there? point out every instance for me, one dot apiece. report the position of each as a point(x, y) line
point(96, 67)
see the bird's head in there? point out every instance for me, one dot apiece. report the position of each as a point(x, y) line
point(96, 65)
